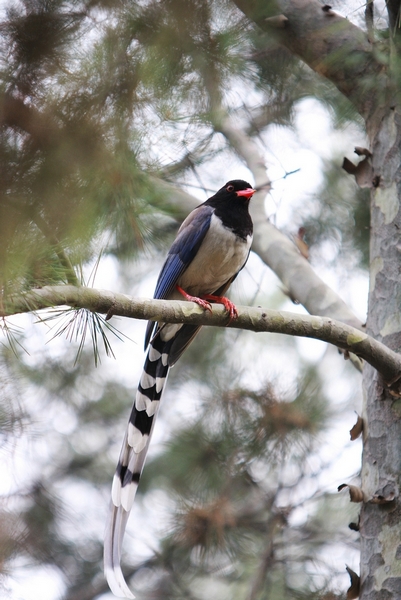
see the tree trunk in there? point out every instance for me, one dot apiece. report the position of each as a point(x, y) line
point(380, 525)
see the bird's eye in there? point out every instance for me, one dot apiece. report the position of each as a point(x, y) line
point(230, 188)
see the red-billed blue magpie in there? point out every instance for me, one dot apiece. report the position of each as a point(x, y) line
point(211, 247)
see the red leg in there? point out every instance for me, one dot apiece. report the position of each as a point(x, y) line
point(228, 305)
point(203, 303)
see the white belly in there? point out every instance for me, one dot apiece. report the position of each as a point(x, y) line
point(221, 255)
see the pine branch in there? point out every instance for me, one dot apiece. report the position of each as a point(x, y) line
point(350, 339)
point(65, 262)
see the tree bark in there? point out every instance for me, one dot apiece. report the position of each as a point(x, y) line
point(342, 53)
point(380, 524)
point(330, 45)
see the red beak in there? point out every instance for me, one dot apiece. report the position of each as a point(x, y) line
point(248, 193)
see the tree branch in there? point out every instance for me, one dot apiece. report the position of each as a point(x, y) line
point(274, 248)
point(387, 362)
point(329, 44)
point(281, 255)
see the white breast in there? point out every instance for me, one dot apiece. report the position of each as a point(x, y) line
point(221, 255)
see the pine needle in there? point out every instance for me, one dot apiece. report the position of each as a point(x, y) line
point(11, 332)
point(77, 323)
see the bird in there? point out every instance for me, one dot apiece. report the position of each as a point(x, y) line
point(211, 247)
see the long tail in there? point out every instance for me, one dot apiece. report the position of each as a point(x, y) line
point(132, 458)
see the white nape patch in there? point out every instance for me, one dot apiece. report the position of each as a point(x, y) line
point(116, 491)
point(128, 495)
point(136, 439)
point(116, 582)
point(147, 381)
point(154, 354)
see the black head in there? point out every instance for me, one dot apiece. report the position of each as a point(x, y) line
point(236, 188)
point(231, 205)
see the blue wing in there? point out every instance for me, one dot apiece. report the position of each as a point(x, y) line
point(183, 250)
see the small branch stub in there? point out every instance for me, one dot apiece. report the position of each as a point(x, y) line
point(355, 493)
point(353, 590)
point(357, 429)
point(363, 171)
point(385, 495)
point(327, 10)
point(359, 151)
point(354, 526)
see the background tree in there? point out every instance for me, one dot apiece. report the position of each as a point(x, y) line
point(110, 113)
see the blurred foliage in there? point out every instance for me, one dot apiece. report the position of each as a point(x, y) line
point(100, 101)
point(235, 477)
point(97, 97)
point(340, 215)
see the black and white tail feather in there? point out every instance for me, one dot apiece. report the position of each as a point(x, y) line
point(164, 350)
point(211, 247)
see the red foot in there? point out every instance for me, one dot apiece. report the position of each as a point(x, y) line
point(228, 305)
point(203, 303)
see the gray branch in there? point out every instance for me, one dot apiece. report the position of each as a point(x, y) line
point(325, 41)
point(273, 247)
point(348, 338)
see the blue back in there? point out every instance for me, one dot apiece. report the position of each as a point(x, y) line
point(181, 254)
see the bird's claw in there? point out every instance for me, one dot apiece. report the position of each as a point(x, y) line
point(231, 308)
point(203, 302)
point(228, 305)
point(200, 301)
